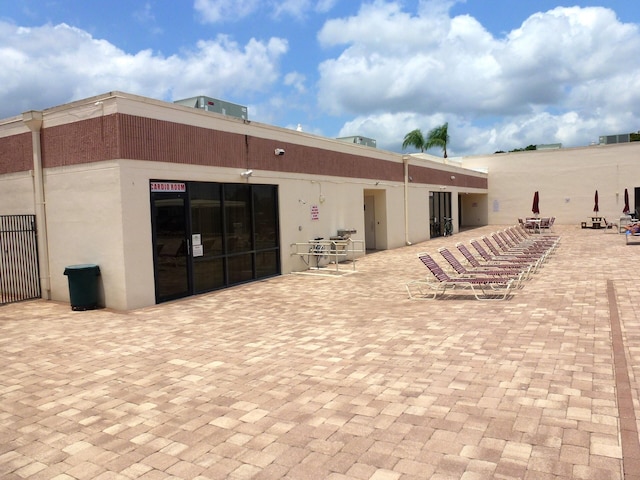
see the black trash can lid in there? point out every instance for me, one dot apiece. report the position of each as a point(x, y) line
point(82, 267)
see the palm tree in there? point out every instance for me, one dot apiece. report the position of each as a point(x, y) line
point(437, 137)
point(414, 139)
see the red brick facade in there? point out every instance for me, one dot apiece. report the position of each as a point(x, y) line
point(139, 138)
point(16, 154)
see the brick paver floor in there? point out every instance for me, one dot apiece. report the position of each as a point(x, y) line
point(342, 378)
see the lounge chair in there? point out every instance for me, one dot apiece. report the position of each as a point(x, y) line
point(505, 244)
point(516, 238)
point(546, 223)
point(495, 264)
point(632, 238)
point(482, 288)
point(461, 270)
point(520, 236)
point(524, 255)
point(613, 226)
point(632, 235)
point(549, 243)
point(514, 259)
point(546, 236)
point(527, 225)
point(533, 224)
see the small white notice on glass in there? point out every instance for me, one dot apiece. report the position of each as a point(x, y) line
point(196, 239)
point(198, 250)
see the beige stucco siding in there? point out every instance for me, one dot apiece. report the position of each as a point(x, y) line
point(566, 180)
point(84, 224)
point(16, 193)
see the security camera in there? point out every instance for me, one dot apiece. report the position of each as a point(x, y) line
point(279, 151)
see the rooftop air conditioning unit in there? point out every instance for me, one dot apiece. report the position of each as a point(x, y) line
point(611, 139)
point(359, 140)
point(215, 105)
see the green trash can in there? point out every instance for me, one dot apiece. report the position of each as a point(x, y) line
point(83, 286)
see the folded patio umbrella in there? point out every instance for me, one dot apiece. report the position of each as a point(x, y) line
point(626, 208)
point(536, 200)
point(595, 207)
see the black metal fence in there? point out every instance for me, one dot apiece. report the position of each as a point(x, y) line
point(19, 272)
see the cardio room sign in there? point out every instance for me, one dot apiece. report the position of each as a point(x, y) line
point(168, 187)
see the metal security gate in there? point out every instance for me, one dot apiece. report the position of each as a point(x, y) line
point(19, 272)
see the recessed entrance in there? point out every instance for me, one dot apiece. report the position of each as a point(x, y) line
point(439, 210)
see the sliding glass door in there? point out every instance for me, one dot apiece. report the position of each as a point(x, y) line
point(170, 245)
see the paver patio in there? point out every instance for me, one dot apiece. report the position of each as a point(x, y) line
point(313, 377)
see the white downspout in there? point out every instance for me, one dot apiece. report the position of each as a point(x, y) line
point(405, 160)
point(33, 120)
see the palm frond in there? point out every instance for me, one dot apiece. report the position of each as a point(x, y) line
point(415, 139)
point(438, 137)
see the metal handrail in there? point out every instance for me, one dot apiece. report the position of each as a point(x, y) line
point(329, 248)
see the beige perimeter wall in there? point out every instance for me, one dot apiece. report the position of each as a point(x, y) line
point(566, 180)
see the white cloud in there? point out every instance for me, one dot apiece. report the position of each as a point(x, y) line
point(293, 8)
point(216, 11)
point(146, 17)
point(549, 79)
point(467, 137)
point(324, 6)
point(56, 64)
point(296, 80)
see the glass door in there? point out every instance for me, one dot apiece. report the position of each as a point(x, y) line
point(207, 236)
point(172, 246)
point(439, 211)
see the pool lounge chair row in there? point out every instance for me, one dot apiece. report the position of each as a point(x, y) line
point(515, 256)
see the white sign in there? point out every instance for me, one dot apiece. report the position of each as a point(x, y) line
point(198, 250)
point(196, 239)
point(168, 187)
point(315, 212)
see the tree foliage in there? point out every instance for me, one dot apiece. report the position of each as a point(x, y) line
point(414, 139)
point(437, 137)
point(525, 149)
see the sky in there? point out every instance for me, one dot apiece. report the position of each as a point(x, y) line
point(503, 74)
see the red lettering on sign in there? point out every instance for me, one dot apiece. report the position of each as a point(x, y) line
point(168, 187)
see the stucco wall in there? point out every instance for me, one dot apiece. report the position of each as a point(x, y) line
point(84, 224)
point(16, 194)
point(566, 180)
point(474, 209)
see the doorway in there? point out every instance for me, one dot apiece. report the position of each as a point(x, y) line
point(375, 219)
point(370, 222)
point(439, 210)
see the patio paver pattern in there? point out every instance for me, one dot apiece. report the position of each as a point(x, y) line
point(343, 378)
